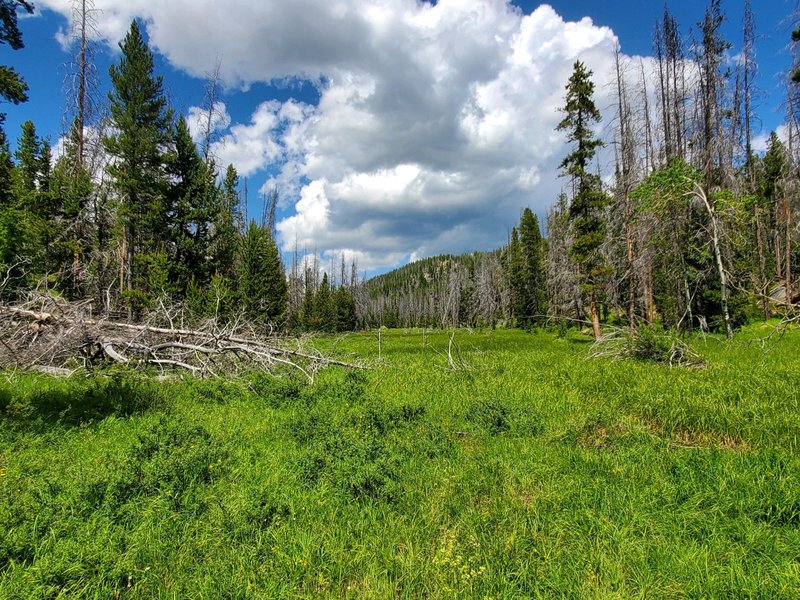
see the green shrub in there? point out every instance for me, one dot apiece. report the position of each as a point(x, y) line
point(360, 446)
point(496, 418)
point(277, 392)
point(169, 459)
point(77, 401)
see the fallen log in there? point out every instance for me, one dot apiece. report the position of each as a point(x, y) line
point(64, 336)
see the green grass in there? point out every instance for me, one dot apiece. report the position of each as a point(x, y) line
point(531, 471)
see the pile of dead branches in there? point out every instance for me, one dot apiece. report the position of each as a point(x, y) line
point(646, 344)
point(56, 336)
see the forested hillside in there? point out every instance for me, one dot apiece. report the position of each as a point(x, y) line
point(480, 289)
point(469, 289)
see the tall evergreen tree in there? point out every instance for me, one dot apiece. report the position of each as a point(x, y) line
point(307, 317)
point(262, 281)
point(190, 199)
point(71, 190)
point(28, 155)
point(534, 282)
point(140, 121)
point(512, 262)
point(345, 309)
point(324, 318)
point(225, 232)
point(588, 200)
point(33, 203)
point(11, 231)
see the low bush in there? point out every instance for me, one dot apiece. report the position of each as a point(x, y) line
point(169, 459)
point(360, 446)
point(81, 400)
point(496, 418)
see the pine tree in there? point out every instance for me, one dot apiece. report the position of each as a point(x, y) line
point(28, 155)
point(512, 260)
point(262, 282)
point(11, 231)
point(71, 189)
point(307, 317)
point(12, 87)
point(140, 123)
point(534, 282)
point(324, 318)
point(190, 199)
point(225, 232)
point(34, 204)
point(588, 200)
point(345, 309)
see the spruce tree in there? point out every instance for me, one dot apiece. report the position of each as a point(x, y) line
point(324, 318)
point(345, 309)
point(307, 316)
point(533, 275)
point(33, 203)
point(11, 231)
point(512, 259)
point(225, 232)
point(140, 122)
point(12, 87)
point(262, 281)
point(71, 189)
point(190, 197)
point(588, 200)
point(28, 155)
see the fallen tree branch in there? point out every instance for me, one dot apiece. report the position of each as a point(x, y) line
point(113, 354)
point(52, 334)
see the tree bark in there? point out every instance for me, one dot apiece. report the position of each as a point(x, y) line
point(596, 331)
point(762, 264)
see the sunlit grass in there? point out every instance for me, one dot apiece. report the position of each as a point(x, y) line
point(526, 471)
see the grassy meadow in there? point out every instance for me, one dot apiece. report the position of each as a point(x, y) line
point(528, 471)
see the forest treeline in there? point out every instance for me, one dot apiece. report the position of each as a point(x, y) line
point(695, 230)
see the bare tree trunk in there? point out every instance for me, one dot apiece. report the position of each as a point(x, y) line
point(748, 53)
point(762, 264)
point(649, 295)
point(649, 151)
point(663, 84)
point(596, 331)
point(779, 262)
point(715, 244)
point(630, 266)
point(687, 296)
point(627, 159)
point(211, 110)
point(788, 251)
point(80, 125)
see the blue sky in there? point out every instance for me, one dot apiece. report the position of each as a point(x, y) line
point(393, 129)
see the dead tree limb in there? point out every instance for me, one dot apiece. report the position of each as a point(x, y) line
point(48, 333)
